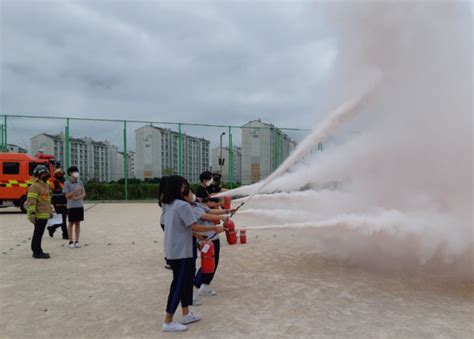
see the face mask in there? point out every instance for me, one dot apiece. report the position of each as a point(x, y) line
point(194, 198)
point(75, 175)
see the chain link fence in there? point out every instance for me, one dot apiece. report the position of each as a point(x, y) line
point(124, 159)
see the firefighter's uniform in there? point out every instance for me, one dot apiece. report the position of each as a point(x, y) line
point(39, 211)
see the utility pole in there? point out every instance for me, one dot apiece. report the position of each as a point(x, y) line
point(221, 159)
point(125, 158)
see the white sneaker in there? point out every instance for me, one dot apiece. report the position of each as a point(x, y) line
point(71, 245)
point(190, 318)
point(174, 327)
point(76, 245)
point(196, 301)
point(205, 291)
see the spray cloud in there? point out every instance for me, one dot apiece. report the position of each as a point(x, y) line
point(402, 186)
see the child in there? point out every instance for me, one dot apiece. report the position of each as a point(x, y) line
point(59, 202)
point(207, 217)
point(205, 182)
point(75, 194)
point(216, 186)
point(179, 224)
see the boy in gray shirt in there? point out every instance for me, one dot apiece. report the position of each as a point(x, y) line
point(75, 193)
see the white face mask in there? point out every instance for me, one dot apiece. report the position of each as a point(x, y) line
point(75, 175)
point(194, 198)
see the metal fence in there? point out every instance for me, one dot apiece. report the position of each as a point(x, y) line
point(186, 141)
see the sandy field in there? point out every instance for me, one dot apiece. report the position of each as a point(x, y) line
point(280, 284)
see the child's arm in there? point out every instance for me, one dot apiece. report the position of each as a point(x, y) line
point(201, 228)
point(213, 217)
point(80, 197)
point(213, 204)
point(223, 211)
point(68, 193)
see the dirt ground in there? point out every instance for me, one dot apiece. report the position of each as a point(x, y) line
point(280, 284)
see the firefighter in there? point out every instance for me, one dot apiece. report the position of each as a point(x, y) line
point(59, 202)
point(39, 208)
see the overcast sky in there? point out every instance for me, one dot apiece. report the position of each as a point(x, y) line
point(214, 62)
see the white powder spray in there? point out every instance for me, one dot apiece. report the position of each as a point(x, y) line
point(399, 192)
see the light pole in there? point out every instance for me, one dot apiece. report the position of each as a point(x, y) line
point(221, 160)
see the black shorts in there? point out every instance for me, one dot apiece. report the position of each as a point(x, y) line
point(76, 214)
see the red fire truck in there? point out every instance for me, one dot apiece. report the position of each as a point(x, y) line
point(15, 176)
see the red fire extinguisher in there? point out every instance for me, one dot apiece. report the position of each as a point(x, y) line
point(208, 264)
point(227, 201)
point(230, 232)
point(243, 236)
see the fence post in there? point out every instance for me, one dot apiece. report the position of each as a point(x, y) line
point(5, 133)
point(274, 144)
point(231, 160)
point(67, 146)
point(278, 148)
point(180, 151)
point(125, 159)
point(3, 147)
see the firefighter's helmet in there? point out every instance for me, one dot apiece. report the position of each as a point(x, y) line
point(40, 169)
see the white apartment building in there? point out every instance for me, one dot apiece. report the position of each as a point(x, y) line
point(157, 154)
point(97, 160)
point(264, 148)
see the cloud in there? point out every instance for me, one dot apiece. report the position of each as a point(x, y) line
point(223, 63)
